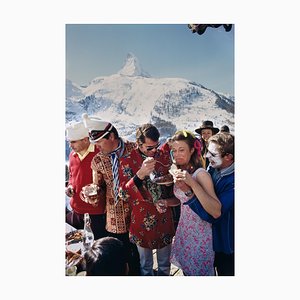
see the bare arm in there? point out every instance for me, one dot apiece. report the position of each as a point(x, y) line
point(203, 189)
point(206, 195)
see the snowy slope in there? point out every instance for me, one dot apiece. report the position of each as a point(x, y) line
point(132, 97)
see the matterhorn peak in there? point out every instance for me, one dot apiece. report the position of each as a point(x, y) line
point(132, 67)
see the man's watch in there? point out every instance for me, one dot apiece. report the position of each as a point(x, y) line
point(189, 193)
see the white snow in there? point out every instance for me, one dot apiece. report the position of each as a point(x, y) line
point(131, 97)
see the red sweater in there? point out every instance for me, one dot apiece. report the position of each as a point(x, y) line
point(81, 175)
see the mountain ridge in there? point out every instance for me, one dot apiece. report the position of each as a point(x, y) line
point(132, 97)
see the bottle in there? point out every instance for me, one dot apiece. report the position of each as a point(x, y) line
point(88, 236)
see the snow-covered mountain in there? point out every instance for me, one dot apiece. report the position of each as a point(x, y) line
point(132, 97)
point(132, 67)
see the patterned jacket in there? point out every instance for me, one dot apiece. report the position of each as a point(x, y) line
point(117, 216)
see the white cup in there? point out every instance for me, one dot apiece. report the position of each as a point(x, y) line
point(89, 193)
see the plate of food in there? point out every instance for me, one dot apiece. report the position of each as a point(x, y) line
point(73, 258)
point(164, 180)
point(74, 236)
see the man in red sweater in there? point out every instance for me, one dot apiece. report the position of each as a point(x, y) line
point(80, 175)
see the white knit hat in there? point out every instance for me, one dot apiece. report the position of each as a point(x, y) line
point(76, 131)
point(97, 128)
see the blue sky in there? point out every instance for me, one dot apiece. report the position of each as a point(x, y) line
point(166, 50)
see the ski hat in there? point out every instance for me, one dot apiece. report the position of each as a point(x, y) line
point(76, 131)
point(207, 125)
point(97, 128)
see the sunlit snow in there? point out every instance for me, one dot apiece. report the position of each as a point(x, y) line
point(132, 97)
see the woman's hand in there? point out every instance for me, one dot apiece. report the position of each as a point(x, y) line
point(183, 180)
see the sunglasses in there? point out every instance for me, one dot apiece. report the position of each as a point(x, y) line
point(150, 148)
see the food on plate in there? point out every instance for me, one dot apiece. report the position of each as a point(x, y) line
point(166, 179)
point(73, 258)
point(74, 236)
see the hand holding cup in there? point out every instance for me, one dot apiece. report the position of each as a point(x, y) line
point(182, 179)
point(161, 206)
point(89, 194)
point(147, 167)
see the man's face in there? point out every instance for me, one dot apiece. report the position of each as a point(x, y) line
point(149, 147)
point(105, 145)
point(214, 156)
point(80, 145)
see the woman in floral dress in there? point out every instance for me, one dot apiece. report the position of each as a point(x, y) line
point(192, 250)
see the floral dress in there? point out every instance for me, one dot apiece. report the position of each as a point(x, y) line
point(192, 250)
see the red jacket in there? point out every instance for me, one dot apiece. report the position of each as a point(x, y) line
point(148, 228)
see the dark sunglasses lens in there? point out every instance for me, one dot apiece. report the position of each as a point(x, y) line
point(153, 147)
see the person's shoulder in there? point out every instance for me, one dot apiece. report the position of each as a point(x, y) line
point(200, 170)
point(129, 145)
point(201, 173)
point(99, 157)
point(163, 151)
point(130, 151)
point(229, 177)
point(163, 155)
point(72, 154)
point(165, 147)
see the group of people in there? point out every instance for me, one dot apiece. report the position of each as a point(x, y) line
point(136, 213)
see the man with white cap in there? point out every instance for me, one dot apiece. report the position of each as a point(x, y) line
point(105, 167)
point(80, 175)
